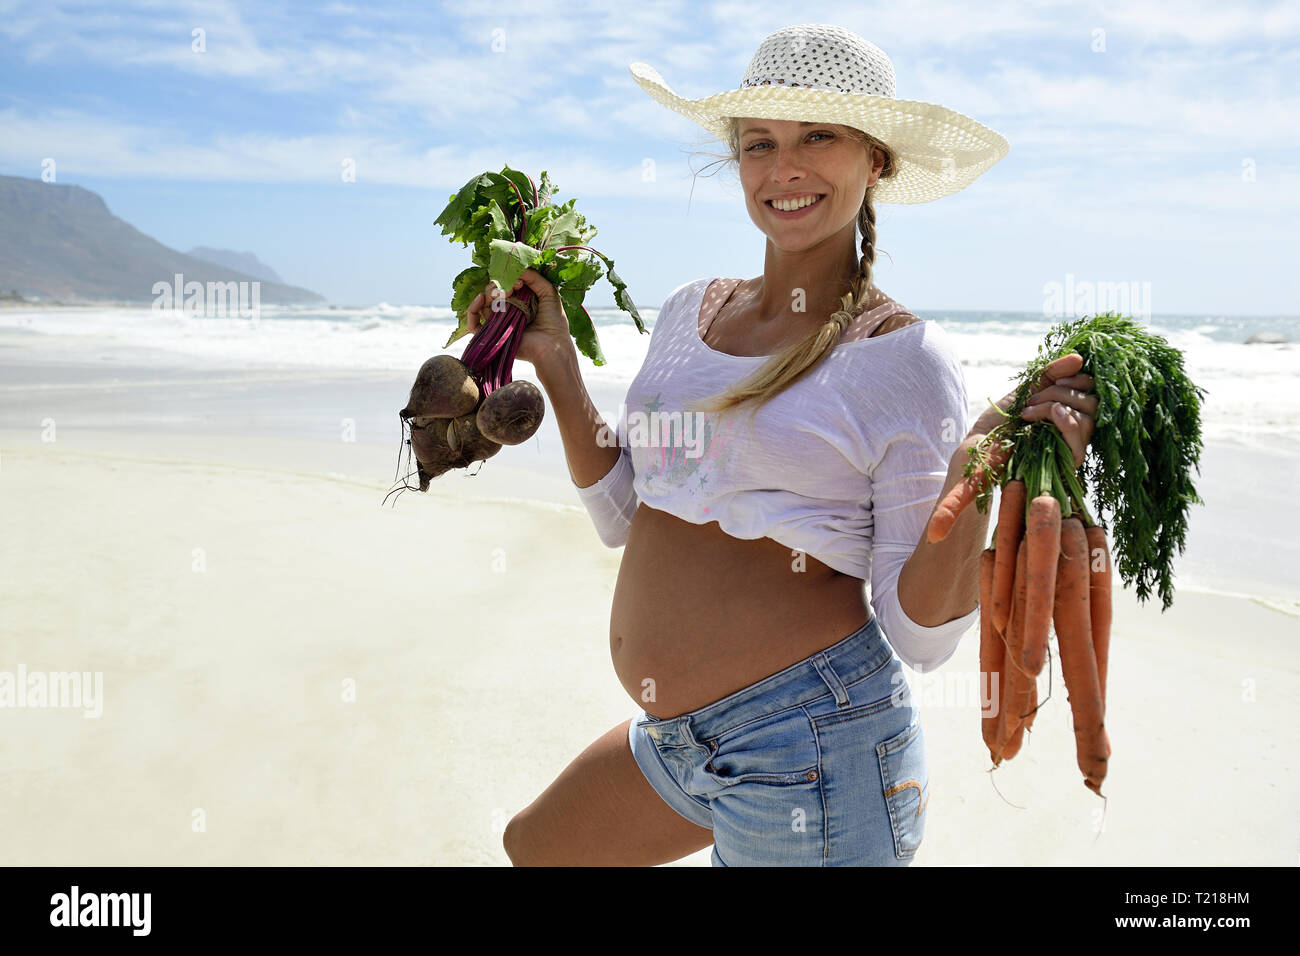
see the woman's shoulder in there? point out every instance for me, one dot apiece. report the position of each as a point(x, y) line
point(676, 301)
point(685, 289)
point(899, 320)
point(927, 341)
point(935, 362)
point(887, 317)
point(909, 355)
point(691, 291)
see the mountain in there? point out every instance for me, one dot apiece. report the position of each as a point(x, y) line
point(61, 242)
point(244, 262)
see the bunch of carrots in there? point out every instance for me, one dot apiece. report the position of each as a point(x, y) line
point(1044, 570)
point(1050, 563)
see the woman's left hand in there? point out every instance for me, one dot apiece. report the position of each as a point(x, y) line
point(1064, 396)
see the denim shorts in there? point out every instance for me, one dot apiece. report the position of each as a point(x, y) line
point(820, 764)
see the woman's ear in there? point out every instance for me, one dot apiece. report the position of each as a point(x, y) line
point(877, 165)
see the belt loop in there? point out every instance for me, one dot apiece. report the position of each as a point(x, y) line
point(688, 729)
point(832, 679)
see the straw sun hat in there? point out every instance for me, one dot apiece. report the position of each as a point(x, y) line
point(827, 74)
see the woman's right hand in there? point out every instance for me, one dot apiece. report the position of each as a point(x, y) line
point(549, 328)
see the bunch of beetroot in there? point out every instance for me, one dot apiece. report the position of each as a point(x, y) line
point(463, 410)
point(454, 421)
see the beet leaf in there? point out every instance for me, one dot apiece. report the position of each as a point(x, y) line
point(513, 225)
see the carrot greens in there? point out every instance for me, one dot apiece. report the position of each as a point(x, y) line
point(1145, 445)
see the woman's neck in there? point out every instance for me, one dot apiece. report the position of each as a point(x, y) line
point(801, 285)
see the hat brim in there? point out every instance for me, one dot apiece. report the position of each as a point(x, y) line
point(939, 151)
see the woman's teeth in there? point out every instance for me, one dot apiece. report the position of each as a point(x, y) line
point(791, 205)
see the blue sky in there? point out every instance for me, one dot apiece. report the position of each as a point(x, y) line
point(1171, 156)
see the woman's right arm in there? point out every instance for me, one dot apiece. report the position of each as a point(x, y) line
point(600, 468)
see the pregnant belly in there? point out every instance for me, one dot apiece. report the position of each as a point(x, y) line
point(698, 614)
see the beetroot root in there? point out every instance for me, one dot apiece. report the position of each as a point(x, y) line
point(464, 438)
point(445, 444)
point(444, 389)
point(433, 455)
point(512, 413)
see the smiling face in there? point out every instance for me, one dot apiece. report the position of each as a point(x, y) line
point(795, 161)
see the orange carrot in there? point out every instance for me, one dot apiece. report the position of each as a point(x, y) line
point(1006, 538)
point(1017, 738)
point(991, 653)
point(1071, 615)
point(1024, 698)
point(962, 494)
point(1031, 705)
point(1015, 680)
point(1099, 601)
point(1006, 726)
point(1043, 536)
point(1016, 622)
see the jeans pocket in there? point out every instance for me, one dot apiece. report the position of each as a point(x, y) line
point(907, 787)
point(780, 750)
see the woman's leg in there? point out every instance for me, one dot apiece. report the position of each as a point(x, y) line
point(601, 811)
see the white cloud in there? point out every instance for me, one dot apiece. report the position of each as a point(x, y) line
point(84, 145)
point(1210, 24)
point(1182, 97)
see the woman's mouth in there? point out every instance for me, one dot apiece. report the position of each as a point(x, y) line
point(802, 204)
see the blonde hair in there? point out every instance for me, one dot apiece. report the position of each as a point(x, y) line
point(795, 361)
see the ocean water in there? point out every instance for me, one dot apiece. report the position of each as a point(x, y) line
point(1251, 390)
point(1245, 539)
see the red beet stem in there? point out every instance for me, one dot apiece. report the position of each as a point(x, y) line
point(490, 355)
point(489, 338)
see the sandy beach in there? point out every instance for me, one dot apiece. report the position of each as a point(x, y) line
point(294, 673)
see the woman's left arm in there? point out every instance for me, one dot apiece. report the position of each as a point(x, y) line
point(940, 581)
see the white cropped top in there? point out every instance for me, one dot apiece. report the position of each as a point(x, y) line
point(845, 465)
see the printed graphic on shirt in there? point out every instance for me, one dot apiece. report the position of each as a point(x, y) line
point(682, 450)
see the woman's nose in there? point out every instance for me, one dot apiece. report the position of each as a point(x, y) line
point(787, 167)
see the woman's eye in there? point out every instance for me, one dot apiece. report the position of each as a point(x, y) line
point(754, 146)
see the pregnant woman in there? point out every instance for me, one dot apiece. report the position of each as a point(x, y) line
point(784, 442)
